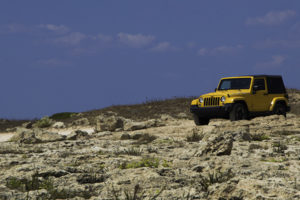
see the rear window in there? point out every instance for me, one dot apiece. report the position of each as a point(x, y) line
point(275, 85)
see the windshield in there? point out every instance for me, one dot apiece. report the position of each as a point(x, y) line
point(235, 84)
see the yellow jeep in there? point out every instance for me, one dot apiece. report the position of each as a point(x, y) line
point(242, 97)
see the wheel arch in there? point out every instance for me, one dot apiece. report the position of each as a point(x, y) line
point(279, 100)
point(242, 102)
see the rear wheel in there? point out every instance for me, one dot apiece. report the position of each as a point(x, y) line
point(238, 112)
point(279, 109)
point(200, 121)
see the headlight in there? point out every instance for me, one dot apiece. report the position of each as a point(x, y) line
point(201, 100)
point(223, 99)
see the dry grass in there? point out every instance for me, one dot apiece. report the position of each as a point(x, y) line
point(147, 110)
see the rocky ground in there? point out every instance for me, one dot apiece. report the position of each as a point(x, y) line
point(160, 158)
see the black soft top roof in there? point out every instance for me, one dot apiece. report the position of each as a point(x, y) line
point(263, 75)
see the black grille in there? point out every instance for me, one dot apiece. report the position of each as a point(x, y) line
point(212, 101)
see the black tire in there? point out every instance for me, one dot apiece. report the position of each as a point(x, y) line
point(238, 112)
point(279, 109)
point(199, 120)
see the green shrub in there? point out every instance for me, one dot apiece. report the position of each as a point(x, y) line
point(260, 137)
point(25, 185)
point(136, 194)
point(145, 162)
point(44, 122)
point(274, 160)
point(166, 164)
point(129, 151)
point(63, 115)
point(133, 151)
point(215, 177)
point(37, 183)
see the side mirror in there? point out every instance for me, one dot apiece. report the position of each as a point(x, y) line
point(215, 89)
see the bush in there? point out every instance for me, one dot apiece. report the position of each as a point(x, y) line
point(215, 177)
point(136, 194)
point(44, 122)
point(37, 183)
point(63, 115)
point(145, 162)
point(260, 137)
point(129, 151)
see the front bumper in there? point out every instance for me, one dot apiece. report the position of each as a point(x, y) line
point(212, 111)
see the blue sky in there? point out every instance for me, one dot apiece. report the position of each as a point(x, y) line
point(74, 55)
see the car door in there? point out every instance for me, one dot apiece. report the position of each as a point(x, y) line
point(260, 100)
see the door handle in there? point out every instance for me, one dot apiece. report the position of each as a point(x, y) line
point(265, 94)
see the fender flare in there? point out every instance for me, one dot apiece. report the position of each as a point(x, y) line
point(240, 100)
point(276, 100)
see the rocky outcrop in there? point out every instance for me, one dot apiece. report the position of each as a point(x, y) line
point(163, 158)
point(132, 126)
point(109, 123)
point(218, 144)
point(116, 123)
point(35, 136)
point(77, 134)
point(81, 122)
point(58, 125)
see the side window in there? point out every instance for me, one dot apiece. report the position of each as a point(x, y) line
point(259, 84)
point(275, 85)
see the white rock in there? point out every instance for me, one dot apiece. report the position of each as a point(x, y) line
point(58, 125)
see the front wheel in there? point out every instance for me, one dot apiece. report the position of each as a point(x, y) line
point(238, 112)
point(200, 121)
point(279, 109)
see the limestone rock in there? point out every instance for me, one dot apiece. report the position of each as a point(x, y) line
point(108, 123)
point(125, 136)
point(165, 117)
point(81, 122)
point(25, 136)
point(35, 136)
point(241, 133)
point(248, 159)
point(78, 134)
point(46, 136)
point(216, 144)
point(132, 126)
point(27, 125)
point(182, 116)
point(58, 125)
point(103, 133)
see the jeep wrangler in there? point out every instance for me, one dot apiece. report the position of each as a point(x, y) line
point(243, 97)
